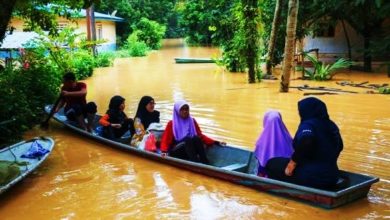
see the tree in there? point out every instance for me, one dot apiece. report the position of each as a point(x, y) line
point(37, 13)
point(161, 11)
point(289, 45)
point(250, 34)
point(272, 40)
point(367, 17)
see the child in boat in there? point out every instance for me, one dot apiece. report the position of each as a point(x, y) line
point(76, 109)
point(317, 145)
point(182, 137)
point(115, 122)
point(143, 118)
point(274, 141)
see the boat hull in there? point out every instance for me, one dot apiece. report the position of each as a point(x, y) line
point(15, 152)
point(194, 60)
point(358, 188)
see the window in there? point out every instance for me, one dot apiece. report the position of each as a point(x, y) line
point(62, 25)
point(99, 31)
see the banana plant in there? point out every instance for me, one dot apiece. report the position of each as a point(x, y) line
point(324, 71)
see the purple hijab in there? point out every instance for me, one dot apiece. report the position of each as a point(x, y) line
point(274, 141)
point(182, 127)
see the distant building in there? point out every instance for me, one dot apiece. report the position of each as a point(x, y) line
point(104, 24)
point(332, 44)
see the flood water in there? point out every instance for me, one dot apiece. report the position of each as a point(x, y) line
point(83, 179)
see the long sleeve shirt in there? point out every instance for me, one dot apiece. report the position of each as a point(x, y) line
point(105, 120)
point(168, 138)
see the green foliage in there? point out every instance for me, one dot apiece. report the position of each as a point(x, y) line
point(162, 11)
point(37, 13)
point(104, 59)
point(67, 51)
point(27, 91)
point(82, 63)
point(267, 16)
point(325, 71)
point(149, 32)
point(384, 90)
point(134, 47)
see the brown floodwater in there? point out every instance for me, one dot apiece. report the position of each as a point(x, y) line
point(83, 179)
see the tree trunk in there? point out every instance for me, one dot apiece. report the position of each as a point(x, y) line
point(367, 54)
point(289, 45)
point(250, 29)
point(348, 43)
point(272, 39)
point(6, 10)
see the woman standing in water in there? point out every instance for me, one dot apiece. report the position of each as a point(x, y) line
point(183, 138)
point(317, 145)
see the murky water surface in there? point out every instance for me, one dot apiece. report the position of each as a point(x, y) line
point(83, 179)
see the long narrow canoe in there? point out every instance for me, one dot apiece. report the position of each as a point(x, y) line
point(239, 166)
point(13, 155)
point(194, 60)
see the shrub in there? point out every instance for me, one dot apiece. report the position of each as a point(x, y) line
point(135, 47)
point(28, 90)
point(325, 71)
point(104, 59)
point(149, 32)
point(82, 64)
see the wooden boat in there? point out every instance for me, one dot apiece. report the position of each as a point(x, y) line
point(194, 60)
point(13, 155)
point(239, 166)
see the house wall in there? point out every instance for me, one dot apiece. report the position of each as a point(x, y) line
point(108, 31)
point(333, 47)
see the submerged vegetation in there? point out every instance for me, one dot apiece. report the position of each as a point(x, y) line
point(322, 71)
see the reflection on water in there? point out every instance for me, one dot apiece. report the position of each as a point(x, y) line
point(83, 179)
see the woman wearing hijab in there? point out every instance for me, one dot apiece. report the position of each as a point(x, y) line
point(274, 141)
point(115, 122)
point(143, 118)
point(182, 137)
point(317, 145)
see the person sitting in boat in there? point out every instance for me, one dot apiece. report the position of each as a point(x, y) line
point(317, 145)
point(73, 97)
point(274, 141)
point(143, 118)
point(115, 122)
point(182, 137)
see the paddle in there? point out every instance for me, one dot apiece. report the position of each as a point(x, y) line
point(45, 123)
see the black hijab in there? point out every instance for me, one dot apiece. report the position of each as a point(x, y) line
point(312, 108)
point(116, 115)
point(146, 117)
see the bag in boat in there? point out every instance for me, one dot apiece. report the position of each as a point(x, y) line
point(36, 151)
point(157, 129)
point(148, 142)
point(8, 171)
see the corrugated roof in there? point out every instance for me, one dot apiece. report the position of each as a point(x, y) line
point(17, 39)
point(100, 16)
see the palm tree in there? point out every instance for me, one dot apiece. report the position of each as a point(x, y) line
point(272, 39)
point(289, 45)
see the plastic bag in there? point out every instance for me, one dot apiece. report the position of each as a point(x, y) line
point(36, 151)
point(150, 144)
